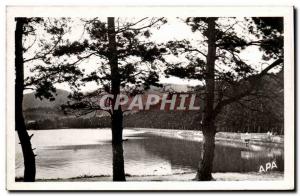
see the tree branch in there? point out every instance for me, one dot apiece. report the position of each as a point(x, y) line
point(254, 81)
point(128, 27)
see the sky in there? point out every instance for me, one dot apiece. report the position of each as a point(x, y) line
point(174, 29)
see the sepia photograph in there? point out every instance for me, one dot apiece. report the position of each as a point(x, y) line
point(150, 98)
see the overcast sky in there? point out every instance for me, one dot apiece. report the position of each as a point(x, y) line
point(174, 29)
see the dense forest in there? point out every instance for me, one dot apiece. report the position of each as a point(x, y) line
point(251, 114)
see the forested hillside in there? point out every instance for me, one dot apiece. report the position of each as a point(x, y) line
point(251, 114)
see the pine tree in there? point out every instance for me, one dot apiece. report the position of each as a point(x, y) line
point(44, 74)
point(127, 63)
point(227, 77)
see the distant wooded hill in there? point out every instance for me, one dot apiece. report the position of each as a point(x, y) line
point(37, 109)
point(31, 102)
point(259, 115)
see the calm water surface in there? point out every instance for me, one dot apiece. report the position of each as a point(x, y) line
point(67, 153)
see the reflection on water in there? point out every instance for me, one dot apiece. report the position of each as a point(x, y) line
point(78, 152)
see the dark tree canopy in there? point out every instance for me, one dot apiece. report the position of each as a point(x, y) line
point(138, 58)
point(136, 55)
point(232, 73)
point(42, 36)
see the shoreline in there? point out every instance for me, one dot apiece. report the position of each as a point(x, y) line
point(255, 138)
point(194, 135)
point(229, 176)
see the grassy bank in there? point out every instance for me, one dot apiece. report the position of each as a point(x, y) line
point(179, 177)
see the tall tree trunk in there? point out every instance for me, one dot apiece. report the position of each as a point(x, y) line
point(117, 115)
point(206, 165)
point(117, 146)
point(208, 119)
point(28, 155)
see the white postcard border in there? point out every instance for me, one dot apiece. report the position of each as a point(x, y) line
point(183, 11)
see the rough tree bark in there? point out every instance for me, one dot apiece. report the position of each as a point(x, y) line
point(208, 119)
point(28, 154)
point(117, 115)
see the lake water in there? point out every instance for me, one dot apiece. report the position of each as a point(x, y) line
point(67, 153)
